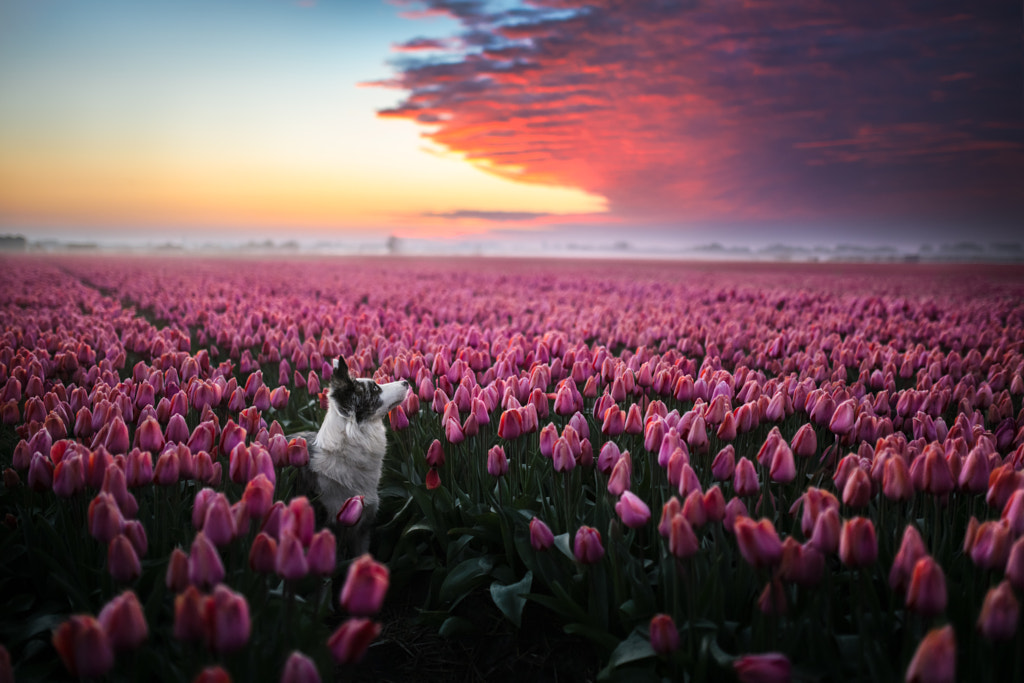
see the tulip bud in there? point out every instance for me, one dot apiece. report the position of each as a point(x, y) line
point(365, 586)
point(858, 546)
point(291, 561)
point(744, 480)
point(349, 643)
point(226, 616)
point(927, 593)
point(633, 512)
point(911, 550)
point(433, 479)
point(497, 461)
point(299, 668)
point(351, 511)
point(587, 545)
point(935, 658)
point(177, 571)
point(83, 646)
point(770, 667)
point(999, 613)
point(682, 541)
point(123, 621)
point(541, 537)
point(322, 553)
point(105, 519)
point(122, 560)
point(663, 634)
point(758, 542)
point(205, 567)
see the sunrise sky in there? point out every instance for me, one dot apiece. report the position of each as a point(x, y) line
point(758, 121)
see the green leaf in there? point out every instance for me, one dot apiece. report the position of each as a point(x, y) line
point(511, 599)
point(592, 633)
point(463, 578)
point(455, 626)
point(633, 648)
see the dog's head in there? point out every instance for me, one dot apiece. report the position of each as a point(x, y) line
point(363, 399)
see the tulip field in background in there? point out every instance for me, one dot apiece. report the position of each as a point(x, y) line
point(697, 472)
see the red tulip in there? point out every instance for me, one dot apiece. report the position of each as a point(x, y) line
point(935, 658)
point(663, 634)
point(83, 646)
point(510, 425)
point(212, 674)
point(365, 586)
point(349, 643)
point(258, 496)
point(189, 621)
point(433, 479)
point(263, 554)
point(587, 545)
point(1015, 564)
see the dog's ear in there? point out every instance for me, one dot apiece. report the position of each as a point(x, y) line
point(340, 368)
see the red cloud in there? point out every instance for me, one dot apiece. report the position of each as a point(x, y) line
point(722, 111)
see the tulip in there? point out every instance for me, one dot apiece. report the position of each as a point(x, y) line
point(841, 422)
point(226, 614)
point(349, 643)
point(177, 571)
point(663, 634)
point(935, 658)
point(805, 442)
point(263, 554)
point(758, 542)
point(682, 541)
point(734, 509)
point(351, 511)
point(896, 484)
point(218, 522)
point(497, 461)
point(633, 512)
point(149, 436)
point(783, 468)
point(136, 534)
point(122, 560)
point(83, 646)
point(990, 545)
point(105, 519)
point(744, 479)
point(693, 508)
point(937, 477)
point(714, 504)
point(999, 613)
point(299, 668)
point(1015, 564)
point(212, 674)
point(205, 567)
point(614, 422)
point(510, 425)
point(322, 553)
point(433, 479)
point(115, 483)
point(258, 496)
point(587, 545)
point(911, 550)
point(772, 601)
point(68, 476)
point(365, 587)
point(168, 468)
point(138, 468)
point(857, 491)
point(801, 564)
point(546, 442)
point(770, 667)
point(620, 476)
point(541, 537)
point(858, 546)
point(298, 452)
point(290, 562)
point(562, 458)
point(927, 592)
point(189, 622)
point(123, 621)
point(1013, 512)
point(608, 456)
point(117, 437)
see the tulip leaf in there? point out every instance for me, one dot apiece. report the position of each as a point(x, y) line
point(511, 599)
point(633, 648)
point(463, 577)
point(455, 626)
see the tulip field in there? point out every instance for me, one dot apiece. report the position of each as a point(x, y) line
point(684, 471)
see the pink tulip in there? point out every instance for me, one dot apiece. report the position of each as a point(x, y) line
point(682, 541)
point(770, 667)
point(497, 461)
point(758, 542)
point(801, 564)
point(105, 519)
point(322, 553)
point(620, 476)
point(227, 620)
point(290, 562)
point(633, 512)
point(911, 550)
point(999, 613)
point(587, 545)
point(744, 479)
point(298, 452)
point(299, 668)
point(663, 634)
point(218, 522)
point(351, 511)
point(124, 622)
point(935, 658)
point(927, 592)
point(68, 476)
point(177, 579)
point(122, 560)
point(858, 546)
point(83, 646)
point(258, 496)
point(205, 567)
point(541, 537)
point(263, 554)
point(365, 587)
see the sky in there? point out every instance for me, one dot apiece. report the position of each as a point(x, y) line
point(660, 120)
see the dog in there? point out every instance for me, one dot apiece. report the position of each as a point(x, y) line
point(347, 453)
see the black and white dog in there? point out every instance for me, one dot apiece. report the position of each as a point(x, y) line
point(346, 455)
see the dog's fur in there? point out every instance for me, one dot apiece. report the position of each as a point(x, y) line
point(346, 455)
